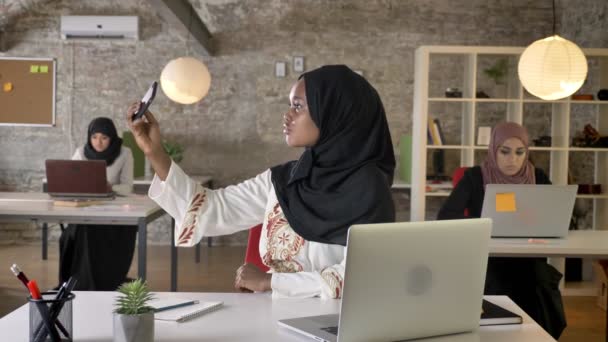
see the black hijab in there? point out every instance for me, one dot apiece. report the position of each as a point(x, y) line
point(345, 178)
point(104, 126)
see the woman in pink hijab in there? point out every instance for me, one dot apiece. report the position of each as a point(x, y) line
point(529, 282)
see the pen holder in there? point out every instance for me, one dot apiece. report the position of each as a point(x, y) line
point(51, 318)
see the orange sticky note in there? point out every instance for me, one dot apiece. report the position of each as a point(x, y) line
point(505, 202)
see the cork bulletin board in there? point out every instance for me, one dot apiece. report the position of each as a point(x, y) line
point(27, 91)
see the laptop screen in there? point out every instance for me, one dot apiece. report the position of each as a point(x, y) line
point(73, 177)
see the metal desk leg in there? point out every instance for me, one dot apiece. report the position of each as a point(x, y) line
point(45, 241)
point(197, 252)
point(141, 248)
point(173, 258)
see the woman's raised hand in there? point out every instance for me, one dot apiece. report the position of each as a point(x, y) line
point(146, 132)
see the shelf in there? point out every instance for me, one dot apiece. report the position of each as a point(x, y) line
point(448, 147)
point(588, 149)
point(498, 100)
point(598, 102)
point(544, 101)
point(450, 99)
point(491, 100)
point(440, 67)
point(598, 196)
point(438, 194)
point(399, 184)
point(532, 148)
point(547, 148)
point(468, 99)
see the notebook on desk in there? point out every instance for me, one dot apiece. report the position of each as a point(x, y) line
point(179, 310)
point(529, 210)
point(68, 179)
point(492, 314)
point(407, 280)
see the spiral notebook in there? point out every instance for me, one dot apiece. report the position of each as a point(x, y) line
point(184, 313)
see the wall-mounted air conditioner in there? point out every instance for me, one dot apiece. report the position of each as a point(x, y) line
point(91, 26)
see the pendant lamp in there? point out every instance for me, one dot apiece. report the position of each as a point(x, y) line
point(552, 68)
point(185, 80)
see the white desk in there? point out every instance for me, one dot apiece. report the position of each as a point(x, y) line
point(578, 244)
point(244, 317)
point(131, 210)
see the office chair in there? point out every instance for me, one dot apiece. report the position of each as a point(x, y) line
point(252, 254)
point(456, 177)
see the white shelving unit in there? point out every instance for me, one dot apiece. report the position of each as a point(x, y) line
point(514, 101)
point(440, 67)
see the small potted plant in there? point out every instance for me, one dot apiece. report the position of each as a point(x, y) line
point(174, 150)
point(133, 317)
point(499, 71)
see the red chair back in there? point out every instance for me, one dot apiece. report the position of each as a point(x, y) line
point(456, 177)
point(252, 255)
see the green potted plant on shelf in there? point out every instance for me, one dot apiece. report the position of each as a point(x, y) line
point(498, 72)
point(174, 150)
point(133, 317)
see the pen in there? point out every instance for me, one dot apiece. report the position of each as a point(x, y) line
point(34, 291)
point(192, 302)
point(55, 309)
point(43, 310)
point(19, 274)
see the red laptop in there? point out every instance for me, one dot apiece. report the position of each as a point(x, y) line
point(77, 178)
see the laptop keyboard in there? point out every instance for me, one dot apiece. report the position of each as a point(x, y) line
point(331, 330)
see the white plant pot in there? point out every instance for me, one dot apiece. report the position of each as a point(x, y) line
point(134, 328)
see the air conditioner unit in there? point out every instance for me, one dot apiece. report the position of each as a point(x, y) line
point(91, 26)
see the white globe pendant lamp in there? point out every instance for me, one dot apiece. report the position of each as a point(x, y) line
point(552, 68)
point(185, 80)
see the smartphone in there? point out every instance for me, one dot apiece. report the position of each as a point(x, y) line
point(146, 101)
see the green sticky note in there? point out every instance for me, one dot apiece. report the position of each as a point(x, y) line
point(44, 69)
point(34, 69)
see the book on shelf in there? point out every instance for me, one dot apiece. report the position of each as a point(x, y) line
point(433, 132)
point(429, 132)
point(182, 310)
point(484, 133)
point(492, 314)
point(437, 127)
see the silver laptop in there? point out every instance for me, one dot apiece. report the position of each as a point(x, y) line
point(529, 210)
point(407, 280)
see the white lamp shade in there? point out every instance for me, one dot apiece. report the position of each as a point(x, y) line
point(185, 80)
point(552, 68)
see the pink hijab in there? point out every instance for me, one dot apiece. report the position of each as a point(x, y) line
point(489, 168)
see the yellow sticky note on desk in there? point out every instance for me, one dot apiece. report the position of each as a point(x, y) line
point(505, 202)
point(44, 69)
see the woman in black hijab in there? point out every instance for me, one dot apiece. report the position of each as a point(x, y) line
point(306, 206)
point(345, 177)
point(100, 256)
